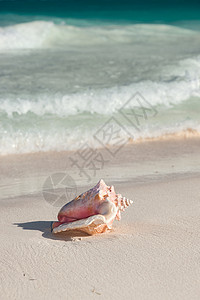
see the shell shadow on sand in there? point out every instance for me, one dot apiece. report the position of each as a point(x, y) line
point(45, 228)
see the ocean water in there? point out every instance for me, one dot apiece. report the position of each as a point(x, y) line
point(71, 74)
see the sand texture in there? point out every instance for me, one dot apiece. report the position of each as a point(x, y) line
point(152, 253)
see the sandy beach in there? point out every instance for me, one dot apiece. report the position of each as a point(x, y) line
point(93, 90)
point(153, 253)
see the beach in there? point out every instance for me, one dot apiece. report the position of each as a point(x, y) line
point(152, 253)
point(93, 90)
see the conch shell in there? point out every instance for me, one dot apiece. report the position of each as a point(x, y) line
point(93, 211)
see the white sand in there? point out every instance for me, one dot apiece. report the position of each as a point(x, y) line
point(153, 253)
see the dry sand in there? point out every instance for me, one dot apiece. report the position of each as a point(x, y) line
point(153, 253)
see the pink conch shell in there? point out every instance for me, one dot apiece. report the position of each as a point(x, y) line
point(93, 211)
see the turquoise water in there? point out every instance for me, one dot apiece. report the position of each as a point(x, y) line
point(149, 11)
point(66, 69)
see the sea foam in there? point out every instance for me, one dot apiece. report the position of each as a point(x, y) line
point(105, 101)
point(54, 100)
point(46, 34)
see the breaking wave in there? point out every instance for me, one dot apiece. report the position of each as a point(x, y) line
point(105, 101)
point(65, 122)
point(36, 115)
point(47, 34)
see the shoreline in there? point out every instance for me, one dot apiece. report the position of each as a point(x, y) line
point(188, 133)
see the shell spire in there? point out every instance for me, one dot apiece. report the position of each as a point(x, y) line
point(123, 202)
